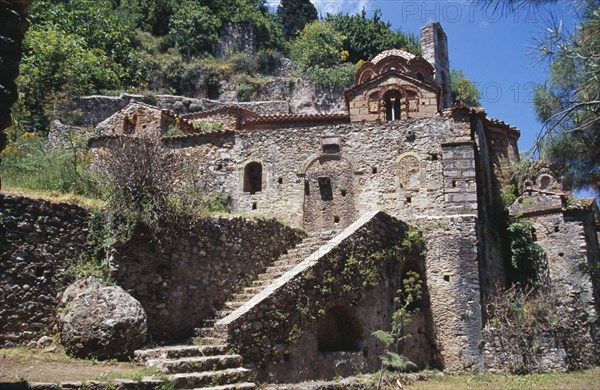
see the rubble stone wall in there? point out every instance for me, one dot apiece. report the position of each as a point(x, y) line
point(396, 167)
point(186, 281)
point(284, 333)
point(452, 267)
point(36, 239)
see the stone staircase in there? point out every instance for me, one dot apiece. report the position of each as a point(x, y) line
point(208, 363)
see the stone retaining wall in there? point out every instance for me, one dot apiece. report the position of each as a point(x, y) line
point(289, 330)
point(196, 272)
point(36, 239)
point(179, 285)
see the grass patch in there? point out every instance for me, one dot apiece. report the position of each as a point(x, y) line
point(587, 379)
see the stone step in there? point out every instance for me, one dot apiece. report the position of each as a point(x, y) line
point(180, 351)
point(196, 364)
point(235, 386)
point(259, 283)
point(208, 341)
point(209, 378)
point(253, 290)
point(270, 276)
point(209, 332)
point(209, 322)
point(243, 296)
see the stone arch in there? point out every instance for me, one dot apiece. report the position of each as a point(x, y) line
point(409, 170)
point(329, 193)
point(252, 177)
point(339, 330)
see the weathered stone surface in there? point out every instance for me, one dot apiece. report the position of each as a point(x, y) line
point(100, 321)
point(36, 239)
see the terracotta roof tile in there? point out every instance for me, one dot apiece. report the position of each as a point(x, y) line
point(393, 52)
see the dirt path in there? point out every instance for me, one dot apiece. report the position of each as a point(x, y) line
point(52, 365)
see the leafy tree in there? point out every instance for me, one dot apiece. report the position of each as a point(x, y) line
point(568, 103)
point(318, 45)
point(193, 29)
point(150, 15)
point(54, 63)
point(294, 14)
point(365, 37)
point(463, 90)
point(318, 51)
point(96, 23)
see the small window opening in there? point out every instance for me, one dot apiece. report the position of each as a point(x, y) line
point(374, 170)
point(286, 356)
point(325, 188)
point(545, 182)
point(556, 229)
point(420, 76)
point(219, 167)
point(453, 183)
point(446, 278)
point(343, 192)
point(252, 178)
point(408, 199)
point(339, 330)
point(336, 219)
point(392, 107)
point(306, 188)
point(254, 206)
point(280, 180)
point(331, 148)
point(561, 254)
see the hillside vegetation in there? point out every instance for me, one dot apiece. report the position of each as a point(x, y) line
point(77, 47)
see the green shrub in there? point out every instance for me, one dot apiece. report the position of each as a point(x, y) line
point(243, 63)
point(244, 92)
point(333, 77)
point(268, 61)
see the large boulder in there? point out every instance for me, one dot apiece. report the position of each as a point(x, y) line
point(100, 321)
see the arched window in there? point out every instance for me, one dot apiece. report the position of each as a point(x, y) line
point(392, 106)
point(339, 330)
point(253, 177)
point(420, 76)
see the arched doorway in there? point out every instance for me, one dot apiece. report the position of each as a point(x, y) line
point(329, 194)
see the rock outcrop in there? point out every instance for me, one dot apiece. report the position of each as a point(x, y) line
point(100, 321)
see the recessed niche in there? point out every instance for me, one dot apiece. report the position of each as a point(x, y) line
point(561, 254)
point(343, 192)
point(374, 170)
point(408, 199)
point(280, 180)
point(446, 278)
point(556, 229)
point(453, 183)
point(254, 206)
point(336, 219)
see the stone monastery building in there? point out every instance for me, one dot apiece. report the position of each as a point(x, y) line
point(400, 156)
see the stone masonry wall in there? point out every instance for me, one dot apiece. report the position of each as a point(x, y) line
point(453, 279)
point(184, 282)
point(36, 239)
point(397, 167)
point(282, 330)
point(572, 254)
point(178, 287)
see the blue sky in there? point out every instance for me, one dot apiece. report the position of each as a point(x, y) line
point(493, 51)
